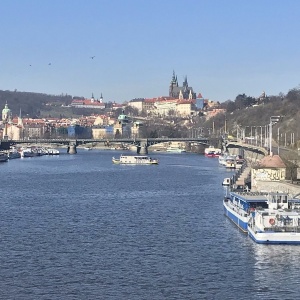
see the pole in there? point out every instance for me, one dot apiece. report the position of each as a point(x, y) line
point(266, 135)
point(270, 135)
point(255, 135)
point(278, 140)
point(285, 140)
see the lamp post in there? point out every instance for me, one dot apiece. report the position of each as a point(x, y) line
point(273, 120)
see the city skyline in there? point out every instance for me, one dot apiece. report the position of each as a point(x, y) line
point(129, 49)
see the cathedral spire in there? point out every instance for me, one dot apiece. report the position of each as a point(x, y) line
point(174, 78)
point(185, 83)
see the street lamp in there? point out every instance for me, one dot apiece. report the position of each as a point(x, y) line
point(273, 120)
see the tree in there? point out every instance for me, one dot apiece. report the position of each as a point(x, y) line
point(293, 95)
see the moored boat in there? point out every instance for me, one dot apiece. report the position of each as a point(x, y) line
point(14, 154)
point(239, 206)
point(135, 160)
point(227, 181)
point(279, 223)
point(27, 152)
point(222, 158)
point(3, 157)
point(211, 151)
point(230, 162)
point(52, 151)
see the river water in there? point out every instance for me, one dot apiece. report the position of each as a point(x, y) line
point(79, 227)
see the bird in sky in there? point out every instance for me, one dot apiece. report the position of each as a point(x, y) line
point(92, 57)
point(49, 64)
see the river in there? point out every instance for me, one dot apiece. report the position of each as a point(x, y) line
point(79, 227)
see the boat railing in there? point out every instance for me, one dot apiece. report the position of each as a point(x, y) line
point(252, 193)
point(237, 209)
point(282, 229)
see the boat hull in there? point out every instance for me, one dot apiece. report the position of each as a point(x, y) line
point(13, 155)
point(273, 237)
point(135, 160)
point(175, 150)
point(236, 217)
point(3, 157)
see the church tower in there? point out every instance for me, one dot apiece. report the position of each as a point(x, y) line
point(92, 99)
point(173, 85)
point(6, 119)
point(6, 114)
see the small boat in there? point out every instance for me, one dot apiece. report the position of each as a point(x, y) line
point(226, 182)
point(222, 158)
point(3, 157)
point(27, 152)
point(51, 151)
point(135, 160)
point(14, 154)
point(279, 223)
point(175, 149)
point(230, 162)
point(87, 148)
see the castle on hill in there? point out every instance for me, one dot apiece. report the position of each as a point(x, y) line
point(181, 92)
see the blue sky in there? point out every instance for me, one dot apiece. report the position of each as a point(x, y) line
point(223, 47)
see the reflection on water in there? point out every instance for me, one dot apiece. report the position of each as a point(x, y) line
point(276, 271)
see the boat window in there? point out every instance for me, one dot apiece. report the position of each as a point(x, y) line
point(284, 199)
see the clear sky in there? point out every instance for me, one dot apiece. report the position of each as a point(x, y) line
point(223, 47)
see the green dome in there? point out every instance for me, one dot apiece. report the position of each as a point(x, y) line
point(6, 114)
point(122, 118)
point(6, 110)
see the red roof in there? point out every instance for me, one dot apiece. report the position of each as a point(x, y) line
point(272, 162)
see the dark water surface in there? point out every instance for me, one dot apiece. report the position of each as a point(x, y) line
point(79, 227)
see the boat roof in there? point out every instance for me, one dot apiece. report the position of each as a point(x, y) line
point(251, 196)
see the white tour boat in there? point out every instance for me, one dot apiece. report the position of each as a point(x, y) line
point(175, 149)
point(135, 160)
point(277, 224)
